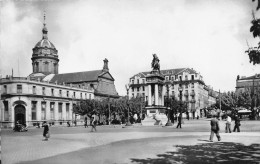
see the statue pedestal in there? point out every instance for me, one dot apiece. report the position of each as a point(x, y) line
point(155, 116)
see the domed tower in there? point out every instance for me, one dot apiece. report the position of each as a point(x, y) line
point(45, 56)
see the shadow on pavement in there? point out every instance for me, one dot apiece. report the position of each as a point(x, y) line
point(218, 152)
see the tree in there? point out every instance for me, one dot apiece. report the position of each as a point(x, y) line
point(254, 52)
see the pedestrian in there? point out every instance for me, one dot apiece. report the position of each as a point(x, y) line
point(228, 125)
point(46, 132)
point(86, 122)
point(93, 122)
point(187, 115)
point(214, 128)
point(237, 124)
point(179, 120)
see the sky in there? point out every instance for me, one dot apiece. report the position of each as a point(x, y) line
point(209, 36)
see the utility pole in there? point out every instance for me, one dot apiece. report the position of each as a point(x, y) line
point(219, 100)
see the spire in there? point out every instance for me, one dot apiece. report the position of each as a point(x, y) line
point(44, 29)
point(105, 67)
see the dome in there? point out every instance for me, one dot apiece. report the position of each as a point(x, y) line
point(45, 43)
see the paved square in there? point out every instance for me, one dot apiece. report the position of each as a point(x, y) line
point(137, 144)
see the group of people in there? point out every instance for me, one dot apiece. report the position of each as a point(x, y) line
point(215, 126)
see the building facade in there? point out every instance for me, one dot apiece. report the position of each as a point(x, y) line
point(32, 101)
point(46, 95)
point(193, 90)
point(243, 83)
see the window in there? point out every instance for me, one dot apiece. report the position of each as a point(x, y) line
point(192, 77)
point(172, 78)
point(43, 111)
point(60, 111)
point(67, 93)
point(43, 90)
point(19, 88)
point(137, 81)
point(133, 95)
point(60, 93)
point(138, 89)
point(6, 113)
point(167, 78)
point(74, 94)
point(137, 95)
point(81, 95)
point(192, 85)
point(34, 89)
point(5, 89)
point(143, 88)
point(186, 77)
point(85, 95)
point(176, 77)
point(90, 96)
point(52, 110)
point(52, 92)
point(67, 110)
point(173, 93)
point(143, 81)
point(180, 78)
point(186, 86)
point(133, 89)
point(132, 81)
point(143, 95)
point(34, 106)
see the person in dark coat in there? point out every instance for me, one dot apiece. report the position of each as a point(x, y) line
point(179, 120)
point(214, 128)
point(237, 124)
point(86, 122)
point(45, 130)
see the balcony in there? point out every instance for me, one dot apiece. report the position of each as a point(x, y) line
point(192, 101)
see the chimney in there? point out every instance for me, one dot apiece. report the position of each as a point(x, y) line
point(105, 67)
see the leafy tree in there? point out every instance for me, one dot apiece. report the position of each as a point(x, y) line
point(254, 52)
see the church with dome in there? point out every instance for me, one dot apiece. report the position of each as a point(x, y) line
point(46, 94)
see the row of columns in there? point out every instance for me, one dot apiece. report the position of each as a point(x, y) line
point(158, 100)
point(28, 111)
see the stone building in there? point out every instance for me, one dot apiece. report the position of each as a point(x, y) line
point(194, 91)
point(46, 95)
point(243, 83)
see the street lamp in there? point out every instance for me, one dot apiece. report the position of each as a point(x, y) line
point(180, 90)
point(127, 90)
point(169, 123)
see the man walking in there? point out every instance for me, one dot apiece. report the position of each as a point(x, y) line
point(237, 124)
point(179, 120)
point(214, 128)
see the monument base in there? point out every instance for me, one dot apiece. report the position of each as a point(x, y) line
point(155, 116)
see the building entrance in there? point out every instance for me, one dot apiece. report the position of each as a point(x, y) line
point(20, 114)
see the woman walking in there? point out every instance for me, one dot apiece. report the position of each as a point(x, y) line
point(46, 133)
point(93, 122)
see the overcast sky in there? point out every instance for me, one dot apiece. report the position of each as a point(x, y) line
point(208, 36)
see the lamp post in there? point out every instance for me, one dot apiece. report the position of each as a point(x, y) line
point(169, 123)
point(180, 90)
point(127, 90)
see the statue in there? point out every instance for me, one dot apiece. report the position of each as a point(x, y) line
point(155, 63)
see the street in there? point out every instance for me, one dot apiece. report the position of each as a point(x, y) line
point(137, 144)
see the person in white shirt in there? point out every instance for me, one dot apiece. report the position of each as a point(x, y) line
point(93, 122)
point(228, 125)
